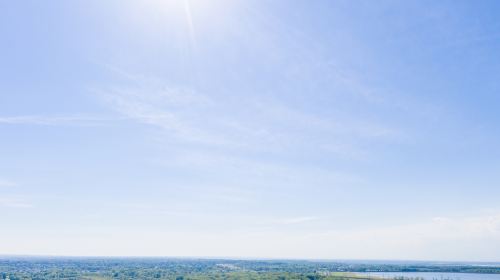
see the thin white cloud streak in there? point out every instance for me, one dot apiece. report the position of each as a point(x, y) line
point(14, 202)
point(78, 120)
point(187, 115)
point(184, 211)
point(298, 220)
point(146, 107)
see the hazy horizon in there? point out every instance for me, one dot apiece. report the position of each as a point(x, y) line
point(260, 129)
point(236, 258)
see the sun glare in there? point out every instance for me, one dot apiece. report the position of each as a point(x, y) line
point(185, 16)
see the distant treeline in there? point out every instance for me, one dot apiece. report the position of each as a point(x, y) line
point(197, 269)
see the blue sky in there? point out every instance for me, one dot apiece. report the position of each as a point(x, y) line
point(305, 129)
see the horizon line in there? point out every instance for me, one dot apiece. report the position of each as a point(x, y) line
point(497, 263)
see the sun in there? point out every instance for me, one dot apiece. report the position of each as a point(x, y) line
point(187, 15)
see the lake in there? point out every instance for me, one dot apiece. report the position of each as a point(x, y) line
point(438, 275)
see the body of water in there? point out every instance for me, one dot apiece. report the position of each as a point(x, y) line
point(437, 275)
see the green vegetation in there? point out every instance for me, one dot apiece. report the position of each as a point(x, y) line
point(202, 269)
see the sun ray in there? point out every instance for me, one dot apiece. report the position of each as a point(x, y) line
point(189, 19)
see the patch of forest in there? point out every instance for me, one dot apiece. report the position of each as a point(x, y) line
point(22, 268)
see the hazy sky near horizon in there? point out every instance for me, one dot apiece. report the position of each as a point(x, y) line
point(273, 129)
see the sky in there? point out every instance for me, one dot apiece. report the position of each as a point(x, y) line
point(256, 129)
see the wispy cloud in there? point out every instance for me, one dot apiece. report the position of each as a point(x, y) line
point(15, 202)
point(437, 237)
point(80, 120)
point(298, 220)
point(186, 114)
point(161, 107)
